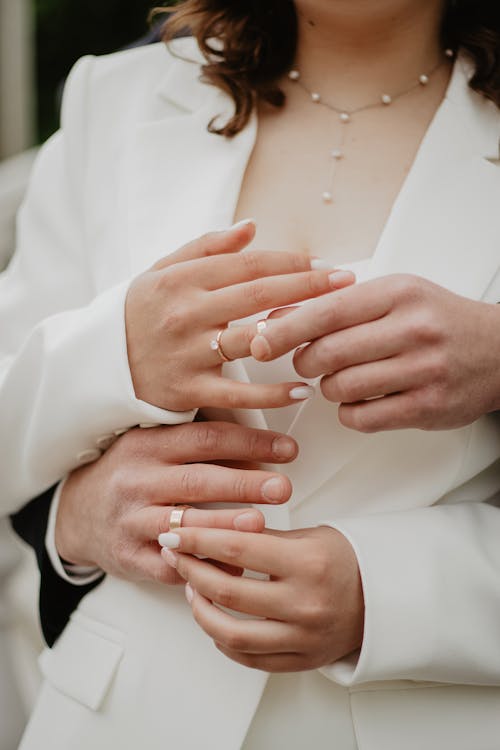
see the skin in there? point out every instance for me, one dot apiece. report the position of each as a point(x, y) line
point(111, 512)
point(176, 308)
point(397, 352)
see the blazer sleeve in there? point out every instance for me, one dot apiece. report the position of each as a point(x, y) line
point(57, 598)
point(431, 580)
point(65, 383)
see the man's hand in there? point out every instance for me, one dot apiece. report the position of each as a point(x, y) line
point(111, 512)
point(396, 352)
point(312, 605)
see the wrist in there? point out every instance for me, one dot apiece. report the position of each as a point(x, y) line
point(68, 532)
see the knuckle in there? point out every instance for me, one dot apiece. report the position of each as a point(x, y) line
point(259, 294)
point(406, 287)
point(253, 263)
point(317, 566)
point(190, 483)
point(231, 550)
point(225, 595)
point(343, 387)
point(208, 438)
point(235, 641)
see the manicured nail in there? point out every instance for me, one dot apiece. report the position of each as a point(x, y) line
point(273, 490)
point(341, 278)
point(318, 264)
point(189, 593)
point(169, 540)
point(245, 522)
point(284, 448)
point(241, 224)
point(260, 348)
point(171, 558)
point(302, 393)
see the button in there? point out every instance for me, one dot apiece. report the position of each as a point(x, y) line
point(106, 441)
point(88, 457)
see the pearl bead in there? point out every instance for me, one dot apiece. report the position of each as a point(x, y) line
point(316, 97)
point(424, 80)
point(449, 53)
point(386, 99)
point(327, 197)
point(345, 117)
point(294, 75)
point(336, 153)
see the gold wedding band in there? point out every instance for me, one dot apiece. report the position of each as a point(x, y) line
point(216, 346)
point(176, 517)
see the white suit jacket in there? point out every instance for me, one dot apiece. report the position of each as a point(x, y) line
point(132, 175)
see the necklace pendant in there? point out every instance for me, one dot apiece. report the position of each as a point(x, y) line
point(345, 117)
point(386, 99)
point(294, 75)
point(316, 98)
point(327, 197)
point(423, 80)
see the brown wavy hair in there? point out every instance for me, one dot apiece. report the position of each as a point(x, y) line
point(249, 46)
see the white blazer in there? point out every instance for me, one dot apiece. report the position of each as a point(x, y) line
point(132, 175)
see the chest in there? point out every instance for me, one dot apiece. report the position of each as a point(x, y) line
point(296, 159)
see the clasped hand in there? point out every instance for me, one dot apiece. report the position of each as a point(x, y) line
point(310, 609)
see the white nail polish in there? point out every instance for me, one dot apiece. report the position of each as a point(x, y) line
point(169, 540)
point(302, 393)
point(241, 224)
point(317, 264)
point(189, 593)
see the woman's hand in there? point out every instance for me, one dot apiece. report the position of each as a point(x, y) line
point(175, 310)
point(111, 512)
point(396, 352)
point(313, 603)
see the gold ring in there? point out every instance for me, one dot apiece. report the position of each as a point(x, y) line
point(176, 517)
point(216, 346)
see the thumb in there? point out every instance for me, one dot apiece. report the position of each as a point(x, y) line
point(231, 240)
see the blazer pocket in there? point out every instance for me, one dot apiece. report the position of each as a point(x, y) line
point(84, 661)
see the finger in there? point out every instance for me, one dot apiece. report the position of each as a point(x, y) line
point(235, 341)
point(221, 441)
point(152, 521)
point(395, 412)
point(248, 636)
point(219, 272)
point(275, 663)
point(205, 483)
point(367, 342)
point(246, 595)
point(232, 240)
point(280, 313)
point(260, 552)
point(242, 300)
point(371, 380)
point(333, 312)
point(231, 394)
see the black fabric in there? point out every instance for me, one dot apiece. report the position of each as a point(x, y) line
point(57, 598)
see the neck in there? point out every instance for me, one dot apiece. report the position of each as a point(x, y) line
point(375, 46)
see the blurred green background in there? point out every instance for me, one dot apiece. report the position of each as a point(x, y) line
point(68, 29)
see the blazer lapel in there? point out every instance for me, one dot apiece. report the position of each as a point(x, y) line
point(183, 180)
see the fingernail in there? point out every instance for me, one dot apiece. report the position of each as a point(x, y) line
point(189, 593)
point(318, 264)
point(245, 522)
point(170, 557)
point(302, 393)
point(241, 224)
point(260, 348)
point(169, 540)
point(341, 278)
point(284, 448)
point(273, 490)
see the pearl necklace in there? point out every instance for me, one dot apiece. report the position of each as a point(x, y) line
point(346, 115)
